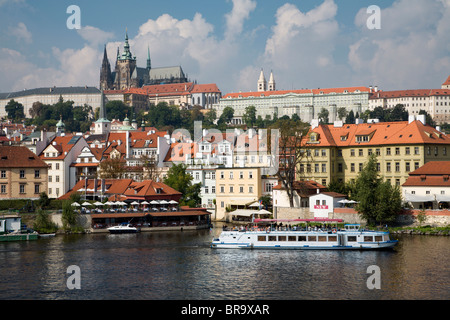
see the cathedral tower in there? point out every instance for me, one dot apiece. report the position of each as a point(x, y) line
point(106, 80)
point(271, 86)
point(262, 84)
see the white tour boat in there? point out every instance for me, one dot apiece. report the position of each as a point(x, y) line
point(351, 237)
point(123, 228)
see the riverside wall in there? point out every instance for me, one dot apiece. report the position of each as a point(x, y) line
point(436, 218)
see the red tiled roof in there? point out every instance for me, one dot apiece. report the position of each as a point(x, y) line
point(61, 143)
point(200, 88)
point(304, 91)
point(382, 133)
point(433, 168)
point(19, 157)
point(447, 82)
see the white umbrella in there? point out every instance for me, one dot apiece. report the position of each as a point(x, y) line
point(154, 202)
point(164, 202)
point(76, 204)
point(343, 201)
point(108, 203)
point(173, 202)
point(145, 202)
point(87, 203)
point(134, 203)
point(123, 203)
point(98, 203)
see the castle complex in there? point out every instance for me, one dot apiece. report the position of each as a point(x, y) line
point(128, 75)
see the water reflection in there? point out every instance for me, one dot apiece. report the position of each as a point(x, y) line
point(180, 265)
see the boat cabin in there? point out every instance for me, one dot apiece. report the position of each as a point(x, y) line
point(352, 227)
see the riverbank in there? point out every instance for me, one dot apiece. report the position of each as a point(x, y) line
point(421, 230)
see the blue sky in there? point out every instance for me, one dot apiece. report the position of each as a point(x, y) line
point(306, 43)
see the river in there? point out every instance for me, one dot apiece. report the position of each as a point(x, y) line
point(182, 266)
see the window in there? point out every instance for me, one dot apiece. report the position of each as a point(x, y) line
point(57, 166)
point(316, 168)
point(250, 189)
point(57, 179)
point(241, 175)
point(241, 189)
point(231, 175)
point(250, 175)
point(36, 188)
point(352, 167)
point(324, 167)
point(231, 189)
point(407, 151)
point(22, 174)
point(206, 189)
point(339, 167)
point(397, 151)
point(388, 166)
point(213, 189)
point(416, 150)
point(352, 152)
point(407, 167)
point(22, 188)
point(3, 188)
point(388, 151)
point(397, 167)
point(3, 174)
point(361, 165)
point(222, 189)
point(49, 178)
point(360, 152)
point(222, 175)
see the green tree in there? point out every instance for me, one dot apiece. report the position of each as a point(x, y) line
point(378, 201)
point(43, 223)
point(249, 117)
point(69, 217)
point(14, 110)
point(350, 119)
point(227, 115)
point(342, 113)
point(323, 116)
point(116, 109)
point(180, 180)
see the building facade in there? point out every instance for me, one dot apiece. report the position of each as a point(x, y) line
point(339, 152)
point(23, 175)
point(307, 103)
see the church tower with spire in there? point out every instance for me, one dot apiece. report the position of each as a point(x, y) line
point(106, 80)
point(271, 86)
point(102, 125)
point(262, 83)
point(126, 73)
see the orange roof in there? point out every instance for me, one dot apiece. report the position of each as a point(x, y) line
point(168, 89)
point(382, 133)
point(319, 91)
point(408, 93)
point(447, 82)
point(63, 144)
point(19, 157)
point(433, 168)
point(211, 87)
point(153, 189)
point(178, 151)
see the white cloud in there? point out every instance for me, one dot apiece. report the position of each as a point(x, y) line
point(21, 33)
point(411, 50)
point(94, 36)
point(235, 19)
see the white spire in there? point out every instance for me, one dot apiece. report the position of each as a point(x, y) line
point(262, 84)
point(271, 82)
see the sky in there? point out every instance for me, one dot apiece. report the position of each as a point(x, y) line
point(305, 43)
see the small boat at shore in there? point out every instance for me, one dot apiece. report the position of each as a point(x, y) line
point(348, 238)
point(123, 228)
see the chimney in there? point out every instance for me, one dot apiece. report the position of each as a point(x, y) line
point(411, 118)
point(421, 118)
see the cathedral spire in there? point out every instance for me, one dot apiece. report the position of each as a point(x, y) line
point(149, 61)
point(262, 84)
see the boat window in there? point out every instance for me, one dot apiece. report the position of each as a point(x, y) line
point(301, 238)
point(261, 238)
point(312, 238)
point(332, 238)
point(292, 238)
point(351, 238)
point(322, 238)
point(378, 238)
point(368, 239)
point(272, 238)
point(281, 238)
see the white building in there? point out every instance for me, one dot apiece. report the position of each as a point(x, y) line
point(59, 155)
point(306, 103)
point(79, 95)
point(322, 204)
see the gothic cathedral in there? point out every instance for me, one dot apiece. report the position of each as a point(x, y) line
point(128, 75)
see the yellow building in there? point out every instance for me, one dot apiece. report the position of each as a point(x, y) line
point(236, 188)
point(339, 152)
point(23, 175)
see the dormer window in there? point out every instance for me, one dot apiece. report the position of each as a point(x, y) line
point(365, 138)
